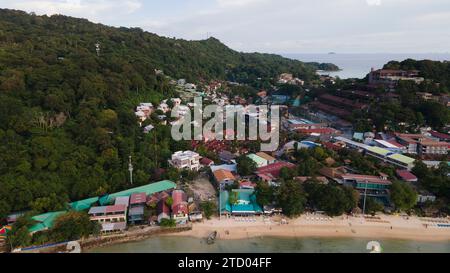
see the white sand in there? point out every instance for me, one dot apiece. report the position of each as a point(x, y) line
point(388, 227)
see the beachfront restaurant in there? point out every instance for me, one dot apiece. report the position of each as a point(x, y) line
point(244, 203)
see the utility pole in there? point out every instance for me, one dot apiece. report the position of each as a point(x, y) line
point(365, 198)
point(130, 169)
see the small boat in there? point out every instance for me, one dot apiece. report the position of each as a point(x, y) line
point(212, 238)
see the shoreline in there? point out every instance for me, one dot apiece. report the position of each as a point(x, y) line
point(386, 227)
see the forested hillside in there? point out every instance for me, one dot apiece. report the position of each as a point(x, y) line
point(67, 125)
point(438, 72)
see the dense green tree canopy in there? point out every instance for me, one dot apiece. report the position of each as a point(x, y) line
point(67, 125)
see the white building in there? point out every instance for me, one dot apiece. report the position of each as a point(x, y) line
point(186, 160)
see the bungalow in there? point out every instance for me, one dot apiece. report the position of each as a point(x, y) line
point(224, 177)
point(180, 211)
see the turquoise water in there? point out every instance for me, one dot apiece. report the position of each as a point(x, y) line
point(271, 245)
point(359, 65)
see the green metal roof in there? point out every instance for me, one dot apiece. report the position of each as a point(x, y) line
point(402, 158)
point(379, 151)
point(147, 189)
point(45, 221)
point(257, 159)
point(83, 204)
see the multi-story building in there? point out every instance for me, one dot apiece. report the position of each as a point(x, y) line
point(375, 186)
point(422, 145)
point(137, 208)
point(109, 214)
point(180, 210)
point(186, 160)
point(391, 77)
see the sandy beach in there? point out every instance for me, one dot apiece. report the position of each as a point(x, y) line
point(379, 227)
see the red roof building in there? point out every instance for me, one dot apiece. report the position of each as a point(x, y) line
point(138, 199)
point(180, 208)
point(406, 176)
point(206, 162)
point(272, 171)
point(116, 209)
point(440, 136)
point(321, 131)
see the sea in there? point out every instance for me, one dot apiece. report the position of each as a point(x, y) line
point(175, 244)
point(359, 65)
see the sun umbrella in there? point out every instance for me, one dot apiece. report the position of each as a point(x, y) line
point(4, 231)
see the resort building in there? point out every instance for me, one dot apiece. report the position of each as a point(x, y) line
point(180, 210)
point(143, 111)
point(387, 156)
point(244, 203)
point(390, 77)
point(270, 159)
point(422, 145)
point(187, 160)
point(271, 173)
point(163, 210)
point(122, 200)
point(437, 136)
point(150, 189)
point(375, 186)
point(390, 145)
point(259, 161)
point(109, 214)
point(406, 176)
point(224, 177)
point(108, 228)
point(137, 208)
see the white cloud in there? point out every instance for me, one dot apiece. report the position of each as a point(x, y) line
point(240, 3)
point(281, 26)
point(373, 2)
point(95, 10)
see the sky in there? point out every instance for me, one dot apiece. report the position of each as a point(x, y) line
point(275, 26)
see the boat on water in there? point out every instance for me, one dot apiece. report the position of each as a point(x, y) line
point(212, 238)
